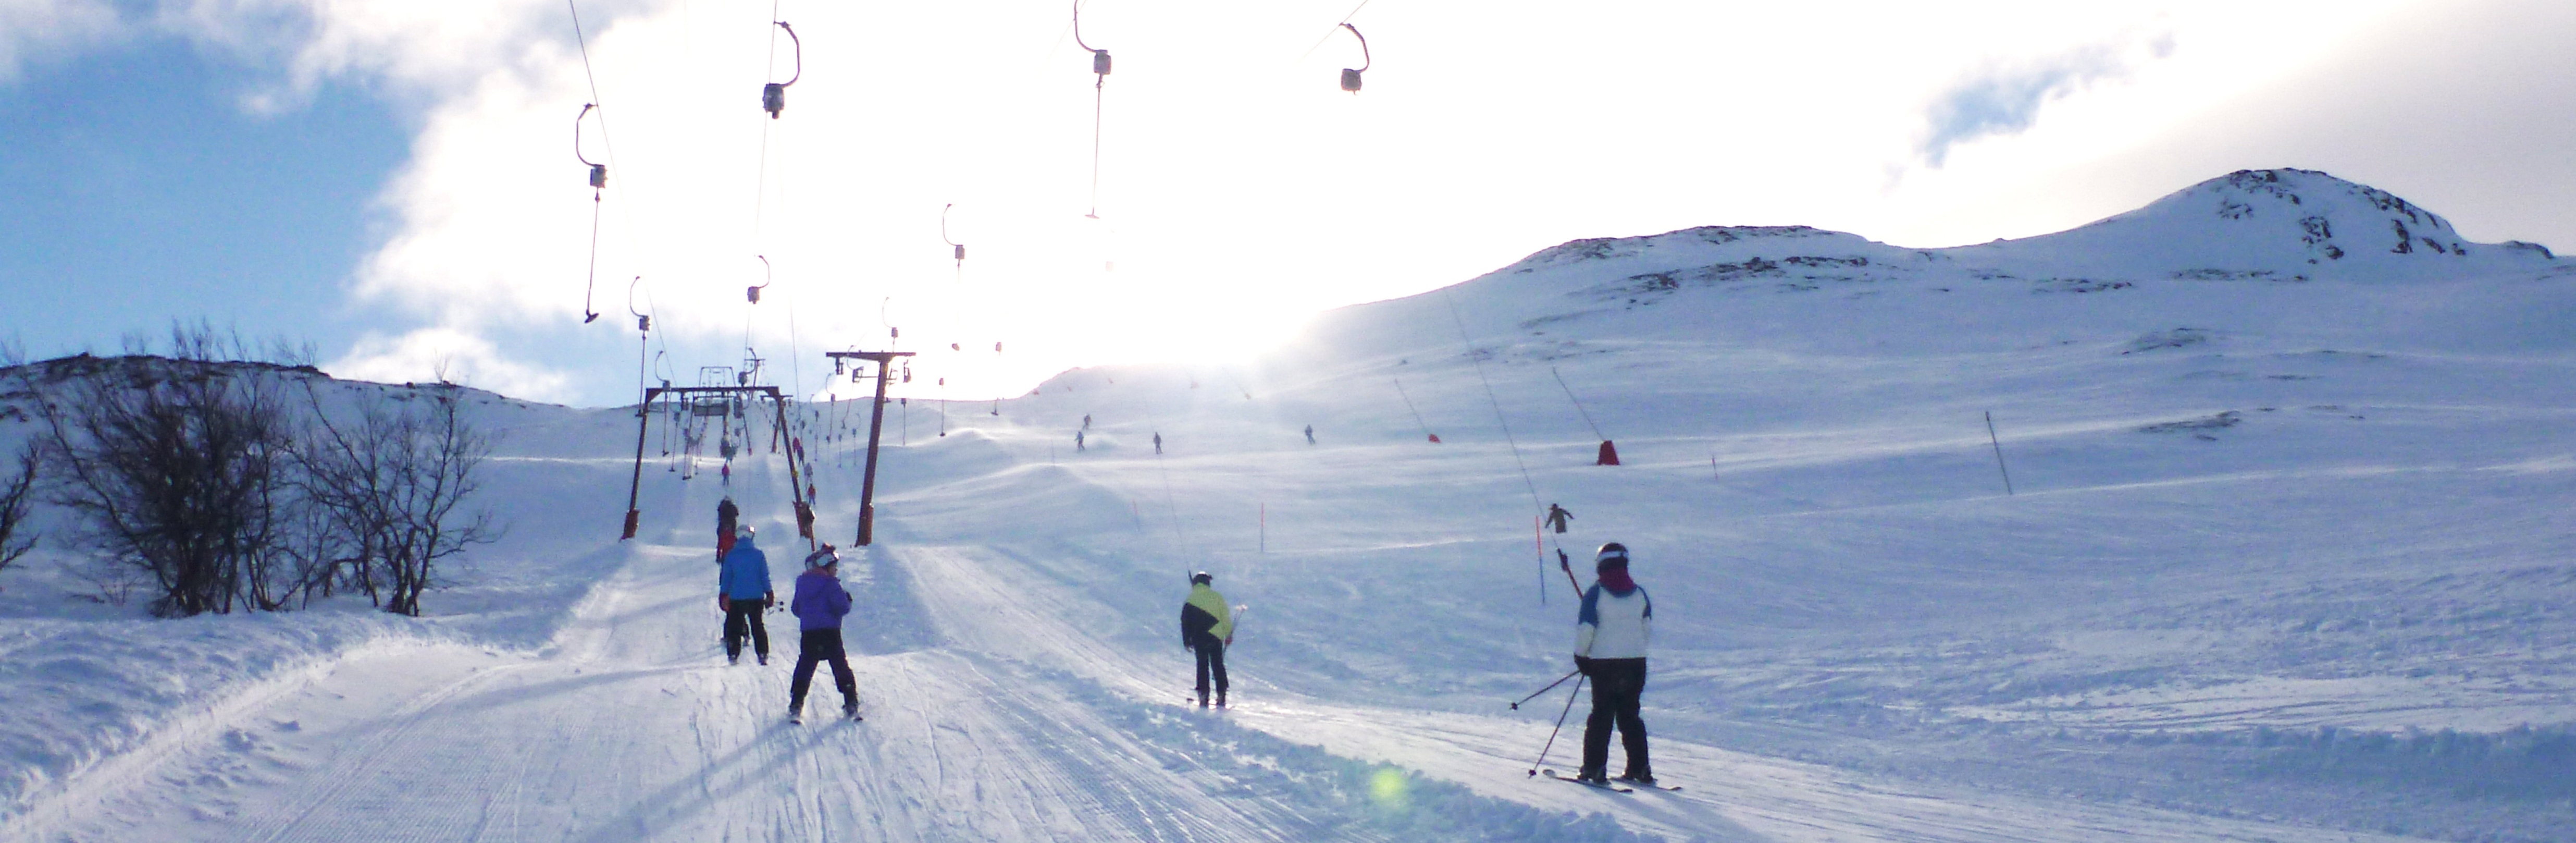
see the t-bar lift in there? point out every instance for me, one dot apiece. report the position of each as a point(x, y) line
point(795, 485)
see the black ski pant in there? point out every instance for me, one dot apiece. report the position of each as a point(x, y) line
point(742, 617)
point(1211, 650)
point(822, 645)
point(1616, 686)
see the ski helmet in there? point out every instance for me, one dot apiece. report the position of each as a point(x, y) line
point(1202, 578)
point(742, 532)
point(1612, 555)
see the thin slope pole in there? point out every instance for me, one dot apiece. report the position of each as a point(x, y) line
point(1999, 452)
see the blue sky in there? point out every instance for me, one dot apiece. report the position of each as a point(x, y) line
point(140, 191)
point(393, 181)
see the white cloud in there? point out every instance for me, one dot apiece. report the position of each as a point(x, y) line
point(2005, 98)
point(423, 48)
point(1240, 189)
point(431, 355)
point(40, 30)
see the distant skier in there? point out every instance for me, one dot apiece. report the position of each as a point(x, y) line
point(726, 471)
point(1310, 434)
point(1610, 635)
point(819, 604)
point(742, 591)
point(1077, 441)
point(1207, 628)
point(1557, 516)
point(1158, 443)
point(1086, 421)
point(728, 517)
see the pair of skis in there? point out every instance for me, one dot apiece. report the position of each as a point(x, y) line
point(1612, 786)
point(797, 715)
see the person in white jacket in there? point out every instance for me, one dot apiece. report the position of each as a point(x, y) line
point(1610, 635)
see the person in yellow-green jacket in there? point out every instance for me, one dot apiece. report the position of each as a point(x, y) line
point(1207, 628)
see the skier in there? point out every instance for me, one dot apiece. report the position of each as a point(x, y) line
point(1077, 441)
point(726, 472)
point(1310, 434)
point(1086, 421)
point(1610, 635)
point(1557, 516)
point(742, 591)
point(819, 604)
point(1158, 443)
point(1207, 628)
point(728, 517)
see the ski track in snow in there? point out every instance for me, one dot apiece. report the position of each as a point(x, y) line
point(2285, 560)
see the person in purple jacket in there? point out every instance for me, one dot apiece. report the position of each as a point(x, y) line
point(819, 604)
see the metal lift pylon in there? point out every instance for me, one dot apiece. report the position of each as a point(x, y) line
point(876, 426)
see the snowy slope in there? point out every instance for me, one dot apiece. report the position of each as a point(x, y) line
point(2286, 558)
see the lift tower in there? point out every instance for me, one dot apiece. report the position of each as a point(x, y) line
point(876, 425)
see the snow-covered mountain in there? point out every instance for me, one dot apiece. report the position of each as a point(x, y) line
point(2284, 556)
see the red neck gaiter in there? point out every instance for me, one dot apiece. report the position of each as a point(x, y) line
point(1617, 581)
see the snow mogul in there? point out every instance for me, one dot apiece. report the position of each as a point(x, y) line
point(819, 604)
point(1610, 634)
point(742, 591)
point(1207, 628)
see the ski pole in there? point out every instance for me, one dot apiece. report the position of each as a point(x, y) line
point(1560, 726)
point(1550, 687)
point(1568, 568)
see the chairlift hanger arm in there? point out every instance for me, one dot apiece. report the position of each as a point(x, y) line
point(1099, 57)
point(800, 53)
point(953, 246)
point(1077, 28)
point(643, 321)
point(576, 133)
point(773, 95)
point(1365, 60)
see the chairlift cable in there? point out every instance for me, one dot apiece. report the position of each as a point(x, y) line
point(1337, 27)
point(1536, 506)
point(583, 41)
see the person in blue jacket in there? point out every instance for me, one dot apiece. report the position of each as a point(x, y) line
point(820, 603)
point(1610, 634)
point(742, 591)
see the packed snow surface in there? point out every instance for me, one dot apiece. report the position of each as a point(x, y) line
point(2285, 556)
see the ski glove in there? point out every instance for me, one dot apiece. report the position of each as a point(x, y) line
point(1583, 665)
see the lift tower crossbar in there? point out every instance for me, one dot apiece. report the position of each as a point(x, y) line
point(876, 426)
point(644, 420)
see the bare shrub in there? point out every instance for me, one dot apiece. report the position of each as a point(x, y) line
point(17, 497)
point(176, 471)
point(395, 482)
